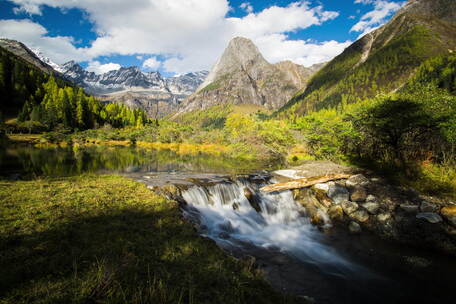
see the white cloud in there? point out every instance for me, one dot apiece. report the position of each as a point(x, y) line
point(59, 48)
point(377, 17)
point(98, 68)
point(246, 6)
point(193, 33)
point(152, 63)
point(277, 48)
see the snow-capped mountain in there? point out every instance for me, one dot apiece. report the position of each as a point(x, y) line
point(47, 60)
point(131, 79)
point(131, 86)
point(186, 84)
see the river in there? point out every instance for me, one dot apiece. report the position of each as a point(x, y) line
point(323, 265)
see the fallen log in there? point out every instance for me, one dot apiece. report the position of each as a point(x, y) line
point(303, 182)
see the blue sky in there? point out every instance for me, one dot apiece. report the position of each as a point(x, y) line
point(179, 36)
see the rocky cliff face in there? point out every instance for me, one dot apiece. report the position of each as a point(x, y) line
point(243, 76)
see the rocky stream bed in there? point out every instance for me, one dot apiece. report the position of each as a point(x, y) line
point(351, 240)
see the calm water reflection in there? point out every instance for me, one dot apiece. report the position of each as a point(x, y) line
point(30, 162)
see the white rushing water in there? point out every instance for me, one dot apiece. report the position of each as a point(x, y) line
point(225, 214)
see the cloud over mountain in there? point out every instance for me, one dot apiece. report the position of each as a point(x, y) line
point(189, 34)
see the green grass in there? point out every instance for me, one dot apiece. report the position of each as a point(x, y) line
point(107, 239)
point(210, 87)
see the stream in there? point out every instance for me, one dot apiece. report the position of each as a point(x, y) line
point(225, 203)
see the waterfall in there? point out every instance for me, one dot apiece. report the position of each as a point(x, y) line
point(238, 214)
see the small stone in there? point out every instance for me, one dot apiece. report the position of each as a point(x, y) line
point(360, 215)
point(409, 208)
point(431, 217)
point(358, 194)
point(383, 217)
point(449, 213)
point(349, 207)
point(336, 212)
point(375, 179)
point(337, 193)
point(371, 199)
point(321, 187)
point(318, 218)
point(354, 227)
point(372, 208)
point(357, 180)
point(428, 207)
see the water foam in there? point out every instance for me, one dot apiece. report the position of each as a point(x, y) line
point(271, 221)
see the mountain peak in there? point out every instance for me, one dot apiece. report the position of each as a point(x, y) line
point(243, 76)
point(21, 50)
point(241, 50)
point(240, 54)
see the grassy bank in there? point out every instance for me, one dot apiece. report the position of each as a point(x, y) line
point(106, 239)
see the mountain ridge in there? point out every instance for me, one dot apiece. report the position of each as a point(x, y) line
point(243, 76)
point(383, 60)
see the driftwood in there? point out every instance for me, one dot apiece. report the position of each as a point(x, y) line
point(304, 182)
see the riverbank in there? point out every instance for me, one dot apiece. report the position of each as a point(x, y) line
point(108, 239)
point(359, 200)
point(429, 178)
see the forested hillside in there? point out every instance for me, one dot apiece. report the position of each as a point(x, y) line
point(382, 61)
point(43, 102)
point(411, 132)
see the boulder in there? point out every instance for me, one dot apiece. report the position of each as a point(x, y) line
point(354, 227)
point(431, 217)
point(360, 215)
point(428, 207)
point(372, 208)
point(321, 191)
point(254, 199)
point(371, 199)
point(357, 180)
point(449, 213)
point(336, 212)
point(383, 217)
point(409, 208)
point(319, 218)
point(321, 188)
point(349, 207)
point(337, 193)
point(358, 194)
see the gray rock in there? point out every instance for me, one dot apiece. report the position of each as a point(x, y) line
point(451, 220)
point(321, 187)
point(372, 208)
point(449, 213)
point(358, 194)
point(349, 207)
point(428, 207)
point(371, 199)
point(383, 217)
point(337, 193)
point(409, 208)
point(431, 217)
point(336, 212)
point(354, 227)
point(360, 215)
point(357, 180)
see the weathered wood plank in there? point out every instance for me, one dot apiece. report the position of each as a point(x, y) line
point(304, 182)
